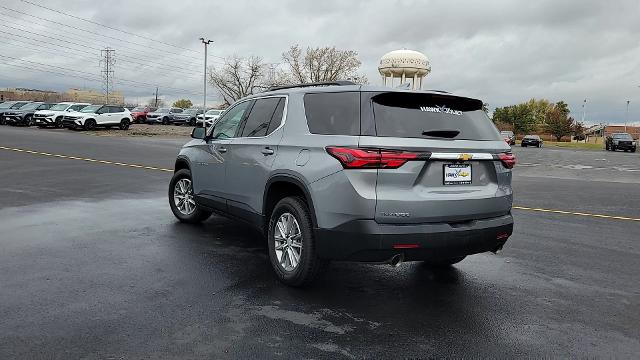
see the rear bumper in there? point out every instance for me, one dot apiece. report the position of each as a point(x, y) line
point(366, 240)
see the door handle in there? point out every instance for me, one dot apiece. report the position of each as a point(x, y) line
point(267, 151)
point(222, 150)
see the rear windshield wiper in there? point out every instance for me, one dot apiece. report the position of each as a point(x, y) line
point(442, 133)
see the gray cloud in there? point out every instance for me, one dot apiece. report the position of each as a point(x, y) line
point(501, 51)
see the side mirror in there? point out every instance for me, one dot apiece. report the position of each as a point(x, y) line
point(198, 133)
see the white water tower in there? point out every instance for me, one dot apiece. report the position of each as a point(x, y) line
point(406, 66)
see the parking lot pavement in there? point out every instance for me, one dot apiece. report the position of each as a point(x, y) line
point(93, 264)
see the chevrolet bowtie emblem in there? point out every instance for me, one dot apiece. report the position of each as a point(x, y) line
point(465, 157)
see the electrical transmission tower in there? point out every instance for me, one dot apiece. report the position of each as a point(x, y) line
point(107, 62)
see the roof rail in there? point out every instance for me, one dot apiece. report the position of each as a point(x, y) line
point(322, 83)
point(438, 91)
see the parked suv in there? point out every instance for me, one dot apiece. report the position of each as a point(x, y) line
point(9, 106)
point(94, 116)
point(349, 172)
point(162, 115)
point(139, 114)
point(620, 141)
point(188, 116)
point(210, 117)
point(24, 115)
point(53, 116)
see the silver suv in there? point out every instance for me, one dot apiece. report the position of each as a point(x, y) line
point(338, 171)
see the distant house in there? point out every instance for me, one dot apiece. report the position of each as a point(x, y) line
point(599, 130)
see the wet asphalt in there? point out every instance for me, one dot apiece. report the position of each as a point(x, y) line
point(94, 265)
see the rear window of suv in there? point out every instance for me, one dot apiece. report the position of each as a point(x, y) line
point(333, 113)
point(414, 115)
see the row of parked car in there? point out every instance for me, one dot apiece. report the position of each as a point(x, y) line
point(173, 115)
point(87, 116)
point(613, 142)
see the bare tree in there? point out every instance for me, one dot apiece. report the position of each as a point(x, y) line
point(239, 77)
point(322, 64)
point(152, 103)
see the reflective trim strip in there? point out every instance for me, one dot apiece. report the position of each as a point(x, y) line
point(461, 156)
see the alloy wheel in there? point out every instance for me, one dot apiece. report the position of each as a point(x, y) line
point(288, 242)
point(183, 196)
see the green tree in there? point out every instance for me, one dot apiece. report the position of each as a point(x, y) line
point(183, 103)
point(520, 118)
point(539, 110)
point(563, 107)
point(558, 123)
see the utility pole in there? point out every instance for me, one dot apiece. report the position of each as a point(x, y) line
point(156, 102)
point(107, 62)
point(204, 102)
point(626, 116)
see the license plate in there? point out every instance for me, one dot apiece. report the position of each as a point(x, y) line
point(457, 174)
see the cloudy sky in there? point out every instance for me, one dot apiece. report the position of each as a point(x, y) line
point(503, 52)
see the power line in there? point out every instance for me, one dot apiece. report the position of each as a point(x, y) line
point(107, 26)
point(58, 51)
point(73, 73)
point(78, 77)
point(75, 36)
point(168, 67)
point(95, 33)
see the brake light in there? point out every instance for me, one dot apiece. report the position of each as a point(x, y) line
point(508, 160)
point(363, 158)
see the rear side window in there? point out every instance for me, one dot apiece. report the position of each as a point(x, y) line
point(257, 122)
point(413, 115)
point(115, 109)
point(333, 113)
point(276, 119)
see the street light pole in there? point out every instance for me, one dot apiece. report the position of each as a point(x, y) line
point(626, 116)
point(204, 102)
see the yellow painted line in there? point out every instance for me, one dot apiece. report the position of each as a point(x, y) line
point(86, 159)
point(563, 212)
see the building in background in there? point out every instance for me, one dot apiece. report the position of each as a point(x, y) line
point(75, 95)
point(94, 97)
point(598, 131)
point(407, 66)
point(30, 95)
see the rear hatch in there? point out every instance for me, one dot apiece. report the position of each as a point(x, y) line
point(457, 166)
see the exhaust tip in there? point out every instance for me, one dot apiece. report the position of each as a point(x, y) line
point(396, 260)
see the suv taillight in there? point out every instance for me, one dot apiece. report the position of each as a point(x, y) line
point(508, 160)
point(367, 158)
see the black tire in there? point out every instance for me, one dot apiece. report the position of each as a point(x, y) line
point(28, 121)
point(633, 150)
point(90, 124)
point(58, 124)
point(198, 215)
point(523, 145)
point(165, 121)
point(192, 122)
point(309, 265)
point(438, 263)
point(124, 124)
